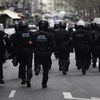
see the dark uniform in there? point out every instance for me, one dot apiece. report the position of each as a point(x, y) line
point(94, 34)
point(22, 44)
point(4, 44)
point(62, 38)
point(43, 49)
point(52, 32)
point(97, 45)
point(82, 43)
point(88, 29)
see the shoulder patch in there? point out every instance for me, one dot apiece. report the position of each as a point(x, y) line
point(79, 35)
point(25, 35)
point(41, 38)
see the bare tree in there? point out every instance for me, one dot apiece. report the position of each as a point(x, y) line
point(86, 7)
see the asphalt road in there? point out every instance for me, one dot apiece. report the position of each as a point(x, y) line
point(73, 86)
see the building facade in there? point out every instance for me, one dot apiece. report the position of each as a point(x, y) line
point(55, 6)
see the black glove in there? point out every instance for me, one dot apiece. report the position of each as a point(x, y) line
point(37, 70)
point(15, 61)
point(56, 54)
point(71, 50)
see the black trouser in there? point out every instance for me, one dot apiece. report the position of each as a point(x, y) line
point(25, 66)
point(64, 64)
point(1, 64)
point(64, 60)
point(82, 57)
point(97, 53)
point(1, 69)
point(94, 58)
point(43, 59)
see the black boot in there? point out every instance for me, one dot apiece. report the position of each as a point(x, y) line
point(83, 72)
point(2, 81)
point(94, 65)
point(44, 82)
point(60, 68)
point(79, 67)
point(37, 70)
point(23, 82)
point(44, 86)
point(64, 72)
point(28, 84)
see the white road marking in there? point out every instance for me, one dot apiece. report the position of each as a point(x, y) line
point(95, 98)
point(68, 95)
point(73, 98)
point(12, 93)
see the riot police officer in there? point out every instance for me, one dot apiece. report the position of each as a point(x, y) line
point(22, 44)
point(94, 34)
point(82, 42)
point(4, 44)
point(53, 31)
point(43, 48)
point(97, 45)
point(63, 47)
point(56, 26)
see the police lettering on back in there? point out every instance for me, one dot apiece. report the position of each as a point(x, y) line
point(41, 38)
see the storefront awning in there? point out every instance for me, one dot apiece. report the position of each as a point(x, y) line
point(11, 14)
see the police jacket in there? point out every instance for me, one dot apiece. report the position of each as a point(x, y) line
point(43, 42)
point(2, 47)
point(22, 41)
point(4, 43)
point(82, 37)
point(94, 34)
point(62, 38)
point(97, 42)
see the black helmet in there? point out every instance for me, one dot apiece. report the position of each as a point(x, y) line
point(62, 25)
point(56, 26)
point(43, 25)
point(76, 26)
point(93, 25)
point(15, 61)
point(22, 25)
